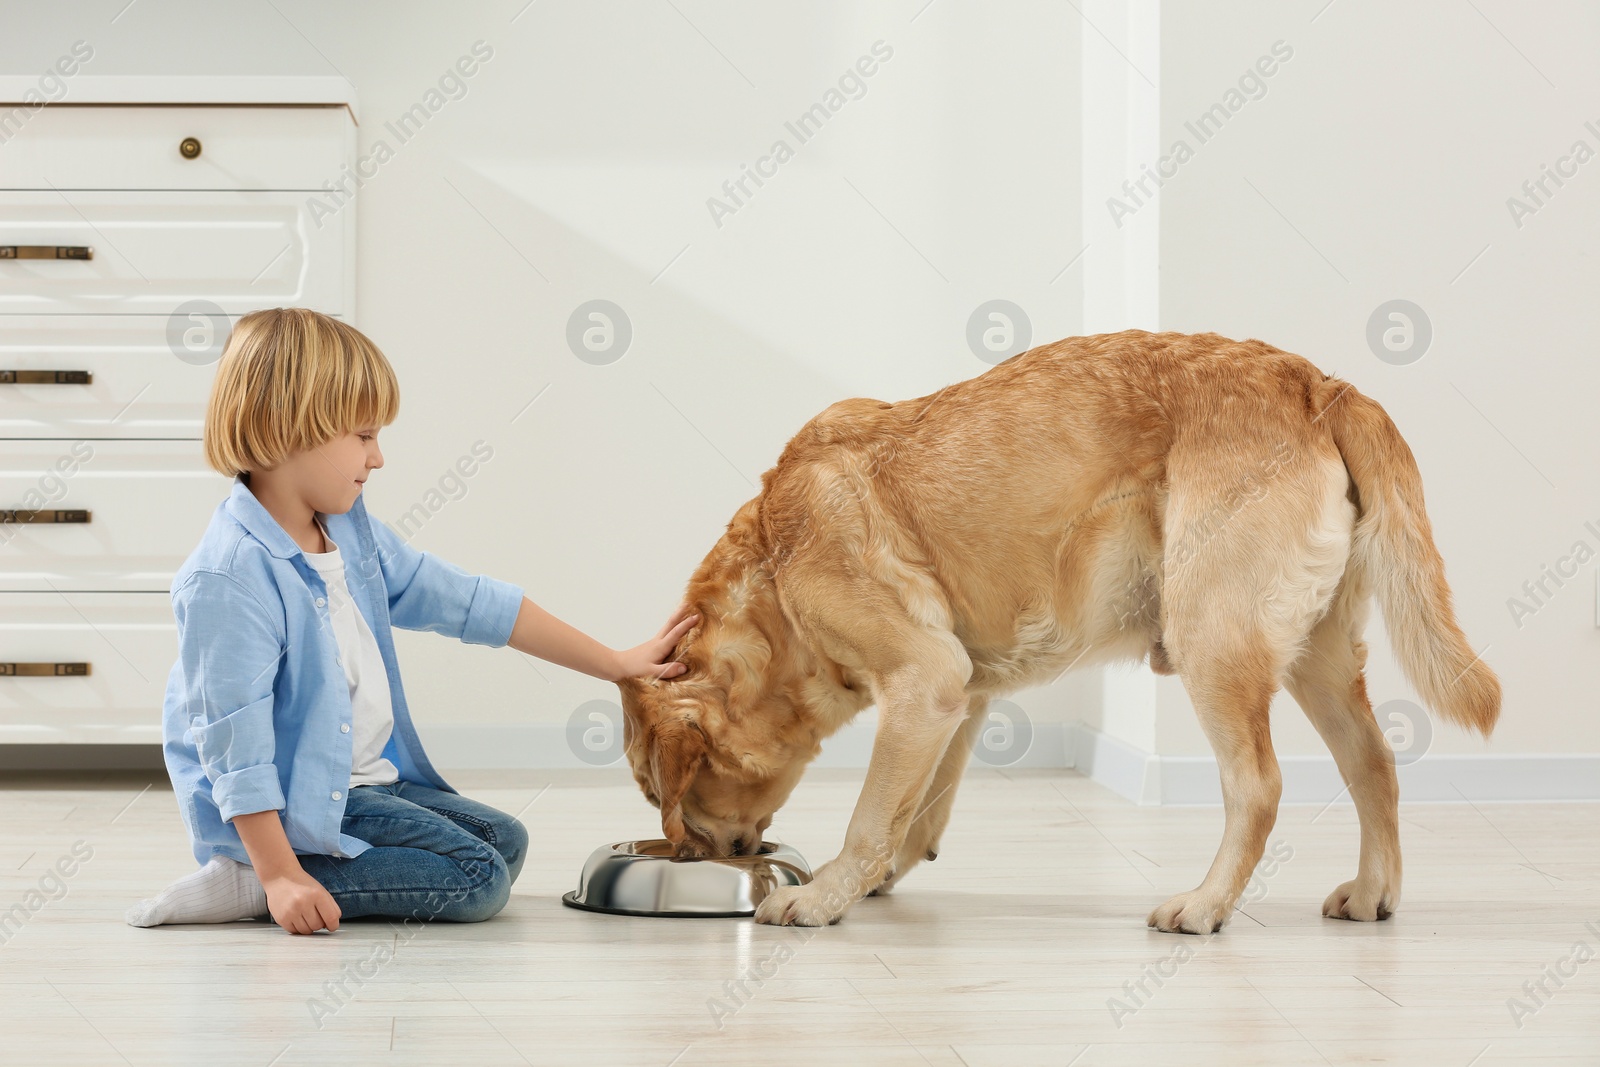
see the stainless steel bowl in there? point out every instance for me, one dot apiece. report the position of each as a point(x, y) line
point(645, 878)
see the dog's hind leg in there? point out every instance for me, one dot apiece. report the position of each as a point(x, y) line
point(1253, 579)
point(933, 814)
point(1327, 682)
point(1231, 687)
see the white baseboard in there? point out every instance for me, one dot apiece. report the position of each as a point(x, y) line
point(1125, 769)
point(1146, 778)
point(1142, 777)
point(1315, 779)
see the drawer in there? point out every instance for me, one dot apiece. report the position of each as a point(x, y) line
point(129, 641)
point(139, 148)
point(154, 252)
point(137, 387)
point(148, 504)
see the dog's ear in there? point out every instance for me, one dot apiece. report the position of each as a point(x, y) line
point(638, 712)
point(677, 752)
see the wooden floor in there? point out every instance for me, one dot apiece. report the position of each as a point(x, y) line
point(1017, 947)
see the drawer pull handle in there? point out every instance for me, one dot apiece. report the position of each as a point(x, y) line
point(46, 377)
point(44, 670)
point(27, 515)
point(46, 251)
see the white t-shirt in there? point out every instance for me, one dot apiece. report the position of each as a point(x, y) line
point(371, 709)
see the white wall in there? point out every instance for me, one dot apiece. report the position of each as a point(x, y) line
point(1391, 141)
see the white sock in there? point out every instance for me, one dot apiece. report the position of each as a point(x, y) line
point(222, 891)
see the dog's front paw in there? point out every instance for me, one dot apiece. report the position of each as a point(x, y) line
point(1360, 902)
point(1190, 913)
point(799, 905)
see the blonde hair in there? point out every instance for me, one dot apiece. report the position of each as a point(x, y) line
point(292, 379)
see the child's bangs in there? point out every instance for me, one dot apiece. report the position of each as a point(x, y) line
point(350, 387)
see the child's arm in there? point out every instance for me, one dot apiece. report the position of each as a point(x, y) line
point(539, 633)
point(427, 593)
point(229, 647)
point(297, 901)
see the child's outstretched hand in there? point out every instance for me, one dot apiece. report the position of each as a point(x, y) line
point(650, 660)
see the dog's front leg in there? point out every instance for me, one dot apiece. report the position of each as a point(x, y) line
point(917, 719)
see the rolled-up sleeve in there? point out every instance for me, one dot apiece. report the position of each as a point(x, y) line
point(230, 647)
point(426, 593)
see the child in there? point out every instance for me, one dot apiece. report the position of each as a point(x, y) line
point(297, 769)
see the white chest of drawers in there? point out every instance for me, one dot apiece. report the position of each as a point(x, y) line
point(137, 217)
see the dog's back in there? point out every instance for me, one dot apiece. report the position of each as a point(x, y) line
point(1026, 508)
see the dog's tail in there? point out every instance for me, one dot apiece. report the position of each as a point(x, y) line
point(1394, 544)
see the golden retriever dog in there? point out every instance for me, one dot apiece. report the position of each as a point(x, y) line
point(1221, 508)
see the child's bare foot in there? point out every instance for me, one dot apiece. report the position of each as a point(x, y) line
point(222, 891)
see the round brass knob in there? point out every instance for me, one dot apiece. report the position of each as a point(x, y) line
point(189, 148)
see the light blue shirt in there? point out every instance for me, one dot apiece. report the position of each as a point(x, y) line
point(257, 714)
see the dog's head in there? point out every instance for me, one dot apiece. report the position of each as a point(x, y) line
point(718, 749)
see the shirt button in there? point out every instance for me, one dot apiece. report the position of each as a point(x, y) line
point(335, 794)
point(320, 602)
point(344, 728)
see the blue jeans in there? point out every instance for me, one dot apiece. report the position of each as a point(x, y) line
point(434, 855)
